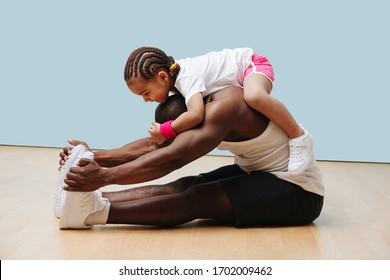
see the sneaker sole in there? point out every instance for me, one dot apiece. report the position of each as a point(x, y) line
point(72, 161)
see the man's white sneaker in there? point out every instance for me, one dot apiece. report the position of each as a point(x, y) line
point(78, 152)
point(301, 153)
point(78, 206)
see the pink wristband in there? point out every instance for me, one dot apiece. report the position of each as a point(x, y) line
point(167, 130)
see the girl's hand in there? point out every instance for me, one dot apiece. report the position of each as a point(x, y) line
point(155, 134)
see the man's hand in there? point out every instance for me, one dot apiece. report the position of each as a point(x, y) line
point(67, 151)
point(87, 177)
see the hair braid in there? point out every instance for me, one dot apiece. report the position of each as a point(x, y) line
point(145, 62)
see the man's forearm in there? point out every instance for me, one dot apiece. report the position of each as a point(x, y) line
point(185, 148)
point(143, 169)
point(127, 153)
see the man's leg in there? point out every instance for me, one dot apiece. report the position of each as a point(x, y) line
point(207, 200)
point(171, 204)
point(143, 192)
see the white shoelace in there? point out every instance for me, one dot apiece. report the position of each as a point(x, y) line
point(295, 153)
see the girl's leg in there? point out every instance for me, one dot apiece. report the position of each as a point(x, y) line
point(207, 200)
point(257, 88)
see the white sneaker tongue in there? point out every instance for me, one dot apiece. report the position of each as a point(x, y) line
point(295, 153)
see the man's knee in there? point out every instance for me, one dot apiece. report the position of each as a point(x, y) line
point(210, 201)
point(184, 183)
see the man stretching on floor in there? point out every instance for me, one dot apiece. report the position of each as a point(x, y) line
point(256, 190)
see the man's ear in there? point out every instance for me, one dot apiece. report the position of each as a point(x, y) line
point(162, 75)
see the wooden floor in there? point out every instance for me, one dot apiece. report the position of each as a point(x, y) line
point(354, 224)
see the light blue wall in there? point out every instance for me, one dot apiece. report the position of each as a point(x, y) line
point(61, 66)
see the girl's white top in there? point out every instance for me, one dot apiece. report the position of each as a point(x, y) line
point(212, 72)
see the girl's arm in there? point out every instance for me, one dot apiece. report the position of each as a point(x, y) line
point(187, 120)
point(193, 116)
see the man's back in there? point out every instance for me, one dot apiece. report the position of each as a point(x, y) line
point(260, 145)
point(243, 122)
point(227, 118)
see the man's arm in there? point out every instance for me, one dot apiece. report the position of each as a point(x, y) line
point(192, 144)
point(114, 157)
point(127, 153)
point(186, 147)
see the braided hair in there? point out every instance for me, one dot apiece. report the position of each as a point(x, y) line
point(145, 62)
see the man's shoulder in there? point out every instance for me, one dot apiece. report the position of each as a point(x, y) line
point(227, 103)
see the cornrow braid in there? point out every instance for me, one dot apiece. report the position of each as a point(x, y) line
point(145, 62)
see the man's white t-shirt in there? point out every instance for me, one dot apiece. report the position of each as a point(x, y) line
point(269, 152)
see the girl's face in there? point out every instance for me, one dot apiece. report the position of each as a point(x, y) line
point(154, 90)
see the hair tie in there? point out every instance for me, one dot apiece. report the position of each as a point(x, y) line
point(173, 66)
